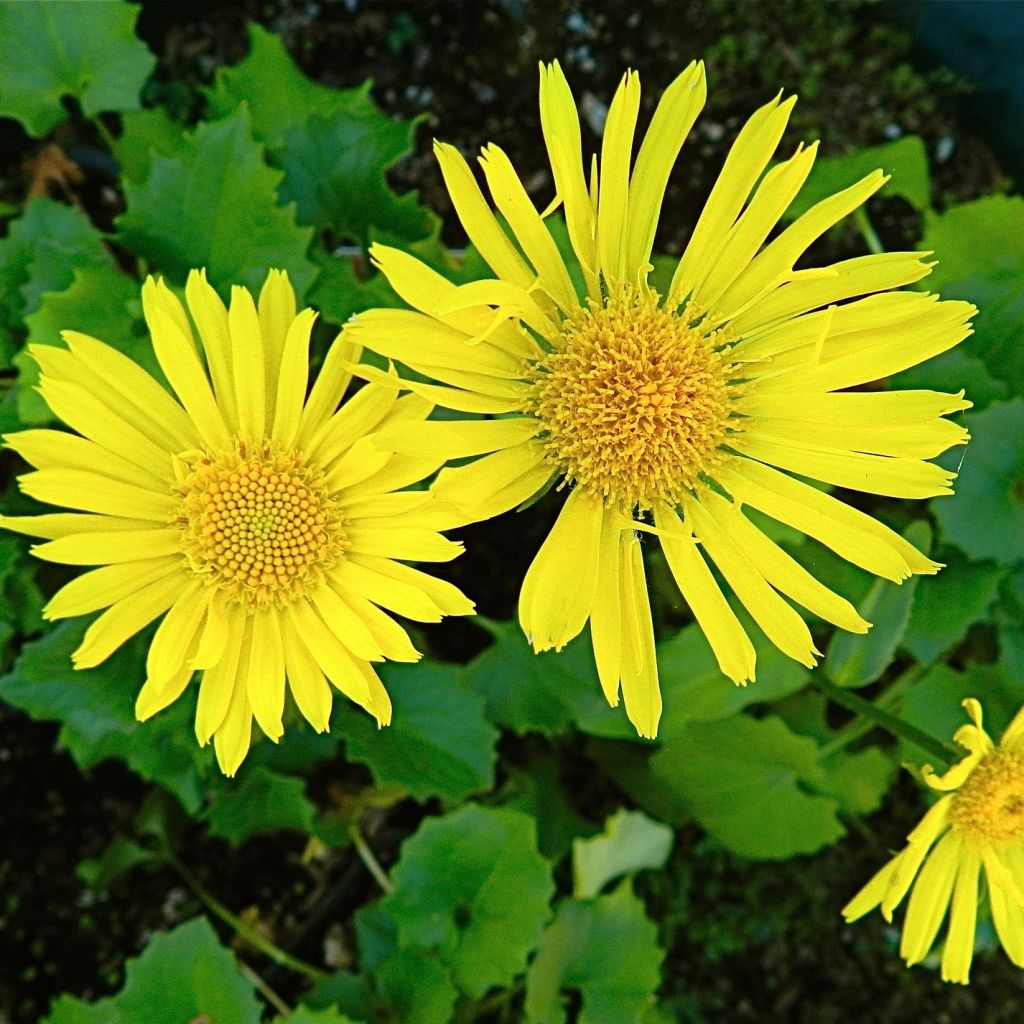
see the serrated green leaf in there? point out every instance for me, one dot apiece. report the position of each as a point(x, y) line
point(859, 781)
point(991, 479)
point(694, 689)
point(607, 950)
point(905, 160)
point(96, 710)
point(335, 174)
point(304, 1015)
point(279, 95)
point(935, 704)
point(338, 293)
point(947, 604)
point(751, 783)
point(99, 301)
point(858, 659)
point(981, 261)
point(438, 744)
point(214, 205)
point(630, 842)
point(482, 910)
point(181, 975)
point(145, 134)
point(41, 252)
point(1009, 619)
point(85, 50)
point(260, 801)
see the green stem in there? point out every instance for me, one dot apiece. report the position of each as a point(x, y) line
point(104, 133)
point(871, 239)
point(250, 935)
point(371, 862)
point(265, 990)
point(858, 727)
point(902, 730)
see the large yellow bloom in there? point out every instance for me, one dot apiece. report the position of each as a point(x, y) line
point(266, 528)
point(672, 412)
point(978, 822)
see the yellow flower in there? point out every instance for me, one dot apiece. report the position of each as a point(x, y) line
point(671, 413)
point(267, 529)
point(978, 822)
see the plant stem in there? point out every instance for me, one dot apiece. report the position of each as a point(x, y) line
point(871, 239)
point(104, 132)
point(904, 730)
point(861, 726)
point(250, 935)
point(265, 990)
point(371, 862)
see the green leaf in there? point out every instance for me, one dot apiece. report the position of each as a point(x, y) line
point(607, 950)
point(279, 95)
point(858, 781)
point(952, 371)
point(304, 1015)
point(694, 689)
point(260, 801)
point(751, 783)
point(41, 252)
point(981, 260)
point(95, 709)
point(935, 704)
point(338, 293)
point(544, 693)
point(905, 160)
point(335, 173)
point(991, 479)
point(99, 301)
point(483, 909)
point(947, 604)
point(630, 842)
point(438, 744)
point(214, 205)
point(85, 50)
point(181, 975)
point(117, 859)
point(414, 988)
point(145, 134)
point(858, 659)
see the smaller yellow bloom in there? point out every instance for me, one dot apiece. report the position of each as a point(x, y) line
point(978, 823)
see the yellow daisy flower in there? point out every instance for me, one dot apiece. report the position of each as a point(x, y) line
point(681, 409)
point(266, 528)
point(978, 822)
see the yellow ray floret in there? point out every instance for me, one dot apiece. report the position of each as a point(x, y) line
point(671, 415)
point(265, 530)
point(977, 824)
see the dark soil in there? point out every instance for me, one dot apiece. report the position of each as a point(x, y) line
point(747, 942)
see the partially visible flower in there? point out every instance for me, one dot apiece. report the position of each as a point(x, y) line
point(685, 413)
point(978, 823)
point(266, 528)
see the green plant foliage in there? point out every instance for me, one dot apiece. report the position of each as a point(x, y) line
point(119, 857)
point(43, 249)
point(991, 478)
point(630, 842)
point(607, 950)
point(981, 261)
point(856, 660)
point(95, 709)
point(145, 134)
point(87, 51)
point(947, 604)
point(304, 1015)
point(905, 161)
point(260, 801)
point(438, 744)
point(99, 301)
point(181, 975)
point(214, 205)
point(280, 97)
point(413, 987)
point(483, 910)
point(754, 784)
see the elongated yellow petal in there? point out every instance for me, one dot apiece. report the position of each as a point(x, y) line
point(391, 639)
point(266, 679)
point(930, 899)
point(457, 438)
point(292, 379)
point(676, 112)
point(495, 483)
point(959, 948)
point(444, 595)
point(1007, 916)
point(276, 310)
point(233, 735)
point(639, 671)
point(308, 685)
point(349, 628)
point(177, 634)
point(218, 682)
point(448, 398)
point(55, 525)
point(413, 543)
point(211, 319)
point(329, 388)
point(102, 587)
point(154, 697)
point(356, 418)
point(606, 611)
point(247, 365)
point(558, 591)
point(91, 492)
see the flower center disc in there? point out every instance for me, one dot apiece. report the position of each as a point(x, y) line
point(260, 524)
point(634, 402)
point(990, 804)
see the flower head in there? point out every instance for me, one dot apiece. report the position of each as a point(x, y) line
point(266, 530)
point(671, 414)
point(977, 823)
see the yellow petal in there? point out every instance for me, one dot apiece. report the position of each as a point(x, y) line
point(606, 611)
point(101, 587)
point(103, 547)
point(959, 948)
point(177, 634)
point(930, 898)
point(247, 370)
point(91, 492)
point(266, 679)
point(613, 197)
point(640, 691)
point(218, 682)
point(307, 682)
point(292, 379)
point(211, 319)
